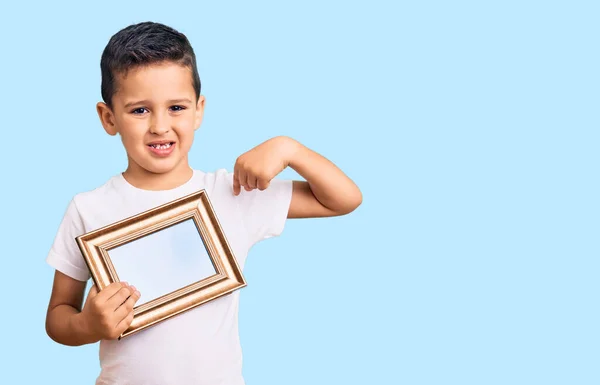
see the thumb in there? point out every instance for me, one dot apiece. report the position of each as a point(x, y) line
point(93, 291)
point(91, 294)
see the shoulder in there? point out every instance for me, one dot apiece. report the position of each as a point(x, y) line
point(107, 191)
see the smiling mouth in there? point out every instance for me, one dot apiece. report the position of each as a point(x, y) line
point(163, 146)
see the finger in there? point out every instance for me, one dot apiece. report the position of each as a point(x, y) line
point(251, 181)
point(110, 290)
point(242, 178)
point(93, 291)
point(121, 296)
point(262, 184)
point(237, 176)
point(127, 306)
point(247, 179)
point(131, 300)
point(236, 184)
point(124, 323)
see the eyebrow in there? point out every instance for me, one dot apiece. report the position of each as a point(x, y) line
point(172, 101)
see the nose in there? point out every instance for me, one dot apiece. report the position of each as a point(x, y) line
point(160, 123)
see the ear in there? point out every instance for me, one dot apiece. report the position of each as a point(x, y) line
point(199, 112)
point(107, 118)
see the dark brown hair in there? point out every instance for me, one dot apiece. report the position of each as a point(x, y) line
point(143, 44)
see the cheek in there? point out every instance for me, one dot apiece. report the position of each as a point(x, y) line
point(185, 131)
point(185, 140)
point(132, 132)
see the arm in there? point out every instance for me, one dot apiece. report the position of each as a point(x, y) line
point(105, 315)
point(63, 319)
point(326, 192)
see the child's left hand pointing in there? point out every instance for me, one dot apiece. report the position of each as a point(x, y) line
point(256, 168)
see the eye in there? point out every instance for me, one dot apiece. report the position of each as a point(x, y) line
point(178, 108)
point(138, 111)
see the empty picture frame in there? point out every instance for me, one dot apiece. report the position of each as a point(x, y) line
point(176, 255)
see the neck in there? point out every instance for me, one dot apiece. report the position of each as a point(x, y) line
point(146, 180)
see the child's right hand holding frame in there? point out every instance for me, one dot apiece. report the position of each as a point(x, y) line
point(106, 314)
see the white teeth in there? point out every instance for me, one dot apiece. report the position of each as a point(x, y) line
point(161, 146)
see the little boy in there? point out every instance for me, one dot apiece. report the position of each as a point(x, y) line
point(152, 100)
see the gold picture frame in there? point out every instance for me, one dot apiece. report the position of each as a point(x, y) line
point(96, 246)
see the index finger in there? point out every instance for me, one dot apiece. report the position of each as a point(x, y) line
point(111, 290)
point(236, 183)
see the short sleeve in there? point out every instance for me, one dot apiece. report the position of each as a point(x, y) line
point(264, 213)
point(64, 254)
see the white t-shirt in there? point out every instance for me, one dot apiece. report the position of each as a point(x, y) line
point(200, 346)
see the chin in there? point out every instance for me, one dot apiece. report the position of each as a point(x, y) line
point(162, 170)
point(159, 167)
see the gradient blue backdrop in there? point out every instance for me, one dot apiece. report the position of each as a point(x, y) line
point(471, 127)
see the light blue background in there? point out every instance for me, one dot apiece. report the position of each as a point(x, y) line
point(471, 128)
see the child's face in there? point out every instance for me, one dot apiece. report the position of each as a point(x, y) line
point(156, 114)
